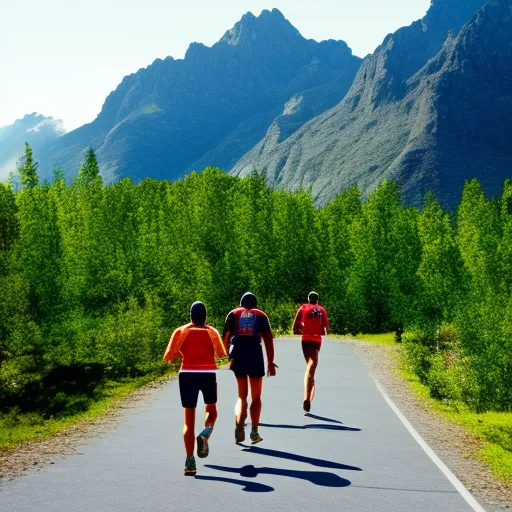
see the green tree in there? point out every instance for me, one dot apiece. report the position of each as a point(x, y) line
point(385, 248)
point(58, 175)
point(440, 267)
point(89, 170)
point(27, 169)
point(336, 258)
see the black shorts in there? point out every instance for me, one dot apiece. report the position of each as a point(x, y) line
point(248, 362)
point(193, 382)
point(310, 349)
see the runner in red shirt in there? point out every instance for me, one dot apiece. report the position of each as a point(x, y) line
point(311, 321)
point(199, 345)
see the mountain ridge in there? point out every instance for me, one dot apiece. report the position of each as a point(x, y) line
point(163, 120)
point(36, 129)
point(380, 129)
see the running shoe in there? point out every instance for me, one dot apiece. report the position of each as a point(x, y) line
point(256, 438)
point(239, 434)
point(306, 405)
point(202, 442)
point(190, 466)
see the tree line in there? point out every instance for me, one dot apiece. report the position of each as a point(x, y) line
point(101, 275)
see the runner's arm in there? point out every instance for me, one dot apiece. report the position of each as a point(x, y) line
point(174, 346)
point(229, 328)
point(297, 323)
point(326, 322)
point(268, 339)
point(218, 346)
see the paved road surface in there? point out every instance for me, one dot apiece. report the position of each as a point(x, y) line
point(351, 454)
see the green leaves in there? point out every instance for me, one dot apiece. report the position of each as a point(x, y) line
point(89, 170)
point(103, 274)
point(27, 169)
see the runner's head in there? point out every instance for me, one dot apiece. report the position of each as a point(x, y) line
point(198, 313)
point(248, 301)
point(313, 298)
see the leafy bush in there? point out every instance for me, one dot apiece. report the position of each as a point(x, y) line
point(93, 274)
point(442, 379)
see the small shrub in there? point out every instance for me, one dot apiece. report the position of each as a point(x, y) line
point(443, 380)
point(418, 357)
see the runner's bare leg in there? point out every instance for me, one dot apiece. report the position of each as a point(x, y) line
point(188, 430)
point(256, 387)
point(210, 416)
point(241, 404)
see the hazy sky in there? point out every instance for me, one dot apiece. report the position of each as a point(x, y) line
point(62, 58)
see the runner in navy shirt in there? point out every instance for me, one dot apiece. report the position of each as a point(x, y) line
point(244, 329)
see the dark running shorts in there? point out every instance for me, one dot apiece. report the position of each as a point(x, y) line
point(310, 349)
point(191, 383)
point(248, 363)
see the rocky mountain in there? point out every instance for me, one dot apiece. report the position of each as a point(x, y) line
point(429, 107)
point(37, 130)
point(212, 106)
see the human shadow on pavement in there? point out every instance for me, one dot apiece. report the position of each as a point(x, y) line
point(312, 426)
point(321, 418)
point(247, 486)
point(321, 478)
point(320, 463)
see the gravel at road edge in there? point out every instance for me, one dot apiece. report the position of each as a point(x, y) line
point(37, 454)
point(452, 443)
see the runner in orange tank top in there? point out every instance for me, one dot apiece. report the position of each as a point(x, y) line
point(199, 345)
point(311, 321)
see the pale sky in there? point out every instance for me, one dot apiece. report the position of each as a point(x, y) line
point(62, 58)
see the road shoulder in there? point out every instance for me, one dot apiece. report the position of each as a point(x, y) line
point(452, 443)
point(37, 454)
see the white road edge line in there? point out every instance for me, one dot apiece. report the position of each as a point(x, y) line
point(435, 459)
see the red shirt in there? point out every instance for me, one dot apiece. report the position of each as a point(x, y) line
point(311, 321)
point(198, 346)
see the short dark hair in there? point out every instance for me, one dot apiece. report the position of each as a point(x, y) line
point(313, 298)
point(198, 313)
point(248, 301)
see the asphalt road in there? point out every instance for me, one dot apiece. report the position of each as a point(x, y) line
point(351, 453)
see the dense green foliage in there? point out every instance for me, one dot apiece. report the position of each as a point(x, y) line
point(27, 169)
point(94, 278)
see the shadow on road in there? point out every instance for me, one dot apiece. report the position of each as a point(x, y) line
point(247, 486)
point(312, 426)
point(321, 418)
point(315, 477)
point(299, 458)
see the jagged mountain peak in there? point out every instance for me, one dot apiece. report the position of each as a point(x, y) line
point(384, 74)
point(453, 13)
point(268, 26)
point(213, 105)
point(35, 122)
point(34, 128)
point(415, 112)
point(32, 118)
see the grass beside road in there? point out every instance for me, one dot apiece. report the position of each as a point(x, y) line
point(494, 429)
point(379, 339)
point(17, 427)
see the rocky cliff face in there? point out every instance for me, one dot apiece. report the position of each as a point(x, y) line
point(387, 124)
point(470, 83)
point(33, 128)
point(212, 106)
